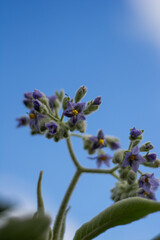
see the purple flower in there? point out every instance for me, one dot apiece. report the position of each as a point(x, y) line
point(34, 119)
point(115, 145)
point(36, 105)
point(28, 99)
point(52, 99)
point(99, 141)
point(22, 121)
point(144, 194)
point(52, 127)
point(134, 133)
point(74, 111)
point(151, 157)
point(97, 101)
point(148, 182)
point(103, 158)
point(133, 159)
point(37, 94)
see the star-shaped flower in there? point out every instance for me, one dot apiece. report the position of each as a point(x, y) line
point(133, 159)
point(74, 111)
point(148, 182)
point(99, 141)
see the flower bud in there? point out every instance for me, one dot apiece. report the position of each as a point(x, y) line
point(60, 95)
point(92, 106)
point(146, 147)
point(81, 126)
point(118, 156)
point(81, 92)
point(65, 101)
point(123, 172)
point(112, 142)
point(41, 108)
point(131, 177)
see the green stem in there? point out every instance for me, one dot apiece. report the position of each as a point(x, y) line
point(72, 154)
point(116, 176)
point(103, 171)
point(62, 209)
point(76, 135)
point(62, 118)
point(140, 172)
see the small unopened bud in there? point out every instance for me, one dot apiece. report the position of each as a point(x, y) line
point(123, 172)
point(65, 101)
point(112, 142)
point(39, 107)
point(97, 101)
point(81, 126)
point(81, 92)
point(146, 147)
point(118, 156)
point(131, 177)
point(60, 95)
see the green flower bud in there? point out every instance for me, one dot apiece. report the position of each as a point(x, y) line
point(118, 156)
point(65, 101)
point(90, 108)
point(81, 92)
point(123, 172)
point(87, 144)
point(146, 147)
point(81, 126)
point(56, 104)
point(60, 95)
point(131, 177)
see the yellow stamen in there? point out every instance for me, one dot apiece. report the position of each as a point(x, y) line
point(103, 158)
point(146, 180)
point(75, 112)
point(132, 157)
point(101, 141)
point(32, 115)
point(145, 193)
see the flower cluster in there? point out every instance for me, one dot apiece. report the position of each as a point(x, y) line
point(129, 162)
point(44, 116)
point(57, 116)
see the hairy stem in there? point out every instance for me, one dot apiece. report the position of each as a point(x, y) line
point(103, 171)
point(62, 209)
point(72, 154)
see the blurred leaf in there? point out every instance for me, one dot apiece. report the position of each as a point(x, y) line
point(25, 229)
point(62, 230)
point(120, 213)
point(156, 238)
point(4, 207)
point(40, 207)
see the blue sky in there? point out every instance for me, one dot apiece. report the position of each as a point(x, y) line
point(110, 47)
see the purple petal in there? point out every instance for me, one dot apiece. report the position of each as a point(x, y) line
point(140, 159)
point(135, 166)
point(100, 134)
point(135, 150)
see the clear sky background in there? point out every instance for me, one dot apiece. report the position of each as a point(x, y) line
point(111, 47)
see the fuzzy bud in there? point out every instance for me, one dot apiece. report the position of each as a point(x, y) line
point(131, 177)
point(123, 172)
point(41, 108)
point(118, 156)
point(65, 101)
point(81, 126)
point(92, 106)
point(81, 92)
point(112, 142)
point(146, 147)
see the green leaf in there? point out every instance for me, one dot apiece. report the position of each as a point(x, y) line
point(26, 228)
point(120, 213)
point(156, 238)
point(40, 210)
point(5, 206)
